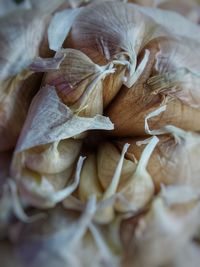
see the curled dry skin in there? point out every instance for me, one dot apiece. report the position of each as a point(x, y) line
point(15, 98)
point(168, 78)
point(22, 37)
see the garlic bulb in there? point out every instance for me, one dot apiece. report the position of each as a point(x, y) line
point(89, 183)
point(169, 78)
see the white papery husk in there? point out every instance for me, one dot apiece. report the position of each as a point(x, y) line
point(50, 121)
point(105, 38)
point(171, 77)
point(176, 71)
point(183, 149)
point(165, 231)
point(101, 36)
point(21, 34)
point(15, 97)
point(174, 160)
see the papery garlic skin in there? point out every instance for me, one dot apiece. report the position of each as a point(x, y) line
point(83, 85)
point(42, 179)
point(169, 162)
point(163, 233)
point(15, 97)
point(19, 32)
point(178, 90)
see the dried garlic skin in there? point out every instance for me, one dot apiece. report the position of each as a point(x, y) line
point(83, 85)
point(163, 233)
point(81, 243)
point(109, 40)
point(21, 30)
point(26, 28)
point(75, 72)
point(43, 176)
point(102, 43)
point(15, 97)
point(181, 99)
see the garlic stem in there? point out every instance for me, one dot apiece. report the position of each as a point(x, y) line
point(177, 132)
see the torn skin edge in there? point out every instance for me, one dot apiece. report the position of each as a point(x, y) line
point(47, 64)
point(177, 132)
point(60, 26)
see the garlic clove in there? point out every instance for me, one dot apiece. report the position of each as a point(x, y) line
point(112, 84)
point(89, 183)
point(105, 211)
point(105, 214)
point(52, 158)
point(90, 103)
point(163, 231)
point(156, 164)
point(120, 32)
point(107, 160)
point(46, 190)
point(168, 164)
point(176, 71)
point(78, 81)
point(136, 193)
point(143, 99)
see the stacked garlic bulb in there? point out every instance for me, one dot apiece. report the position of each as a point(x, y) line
point(99, 133)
